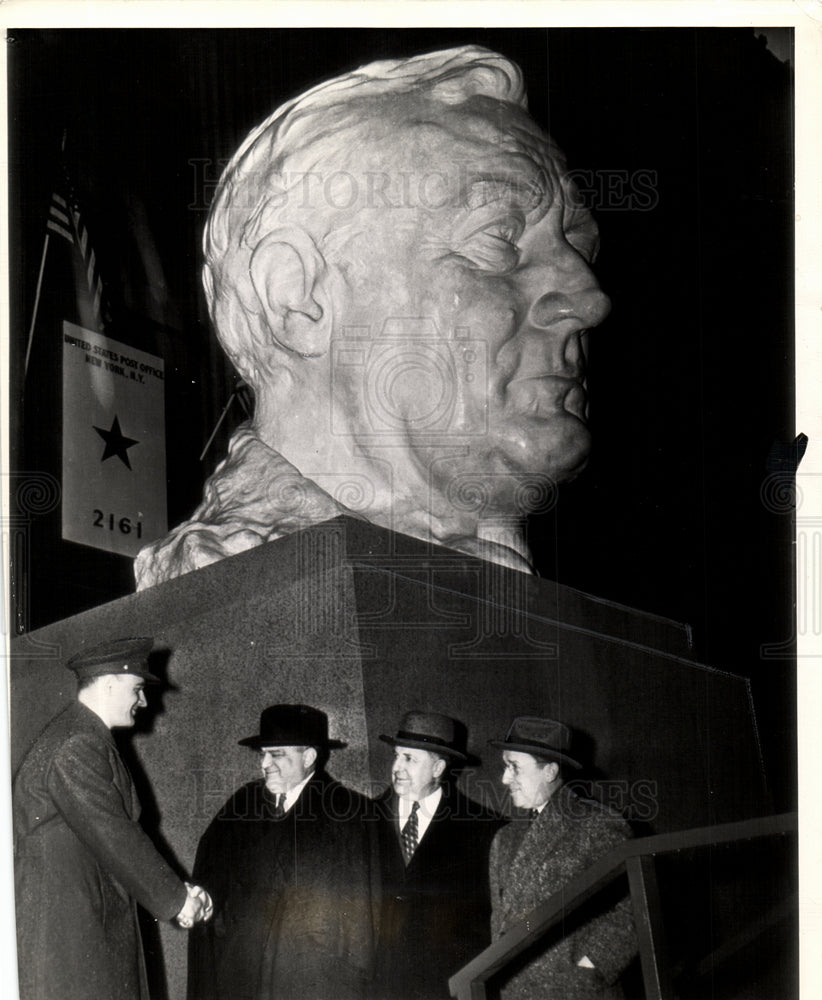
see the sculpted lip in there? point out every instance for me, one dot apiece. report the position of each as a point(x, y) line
point(544, 394)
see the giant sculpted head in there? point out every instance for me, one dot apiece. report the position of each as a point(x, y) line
point(398, 264)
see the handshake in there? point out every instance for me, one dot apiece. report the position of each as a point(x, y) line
point(198, 907)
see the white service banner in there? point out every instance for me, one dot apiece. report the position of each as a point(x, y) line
point(114, 454)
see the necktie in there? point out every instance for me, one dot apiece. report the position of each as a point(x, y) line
point(534, 813)
point(409, 834)
point(279, 806)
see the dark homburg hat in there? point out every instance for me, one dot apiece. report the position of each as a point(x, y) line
point(430, 731)
point(292, 726)
point(543, 737)
point(118, 656)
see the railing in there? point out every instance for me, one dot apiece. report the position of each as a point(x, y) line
point(636, 858)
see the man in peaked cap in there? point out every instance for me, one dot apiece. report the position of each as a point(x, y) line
point(558, 837)
point(287, 861)
point(434, 844)
point(82, 862)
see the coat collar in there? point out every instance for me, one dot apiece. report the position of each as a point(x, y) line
point(89, 720)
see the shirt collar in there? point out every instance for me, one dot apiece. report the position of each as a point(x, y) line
point(428, 805)
point(292, 796)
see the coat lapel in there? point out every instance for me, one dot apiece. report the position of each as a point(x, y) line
point(430, 849)
point(526, 873)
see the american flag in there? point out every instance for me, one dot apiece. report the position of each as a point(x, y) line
point(66, 221)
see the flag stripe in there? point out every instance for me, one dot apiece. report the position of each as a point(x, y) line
point(57, 228)
point(61, 216)
point(65, 219)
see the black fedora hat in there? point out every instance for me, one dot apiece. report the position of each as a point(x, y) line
point(544, 737)
point(430, 731)
point(292, 726)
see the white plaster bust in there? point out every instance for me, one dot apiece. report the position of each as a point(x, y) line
point(398, 264)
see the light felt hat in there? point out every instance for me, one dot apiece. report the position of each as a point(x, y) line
point(430, 731)
point(544, 737)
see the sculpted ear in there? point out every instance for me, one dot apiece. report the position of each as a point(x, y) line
point(286, 270)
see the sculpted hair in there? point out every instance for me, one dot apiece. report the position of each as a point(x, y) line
point(262, 188)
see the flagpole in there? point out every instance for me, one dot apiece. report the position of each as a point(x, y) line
point(40, 276)
point(36, 302)
point(222, 417)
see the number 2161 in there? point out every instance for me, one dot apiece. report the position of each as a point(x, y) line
point(124, 524)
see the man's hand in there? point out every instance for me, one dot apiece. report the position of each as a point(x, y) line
point(198, 907)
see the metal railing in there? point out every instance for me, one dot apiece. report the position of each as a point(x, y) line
point(636, 859)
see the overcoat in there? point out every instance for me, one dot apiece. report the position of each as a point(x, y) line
point(435, 913)
point(292, 898)
point(80, 862)
point(532, 860)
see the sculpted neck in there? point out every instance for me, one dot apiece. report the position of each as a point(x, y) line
point(404, 489)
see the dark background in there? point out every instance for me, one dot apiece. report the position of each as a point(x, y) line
point(691, 377)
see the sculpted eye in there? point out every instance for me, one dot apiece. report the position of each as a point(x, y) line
point(586, 244)
point(583, 235)
point(493, 246)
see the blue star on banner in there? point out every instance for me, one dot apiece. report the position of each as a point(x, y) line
point(116, 443)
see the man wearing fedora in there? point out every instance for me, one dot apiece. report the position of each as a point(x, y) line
point(287, 861)
point(558, 837)
point(434, 844)
point(81, 860)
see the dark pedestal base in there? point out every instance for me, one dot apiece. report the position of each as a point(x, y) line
point(367, 624)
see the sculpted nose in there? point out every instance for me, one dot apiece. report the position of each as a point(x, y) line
point(589, 306)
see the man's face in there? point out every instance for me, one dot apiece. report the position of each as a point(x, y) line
point(285, 767)
point(126, 696)
point(465, 332)
point(528, 781)
point(415, 773)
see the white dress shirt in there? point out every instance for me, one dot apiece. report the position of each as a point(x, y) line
point(428, 806)
point(292, 796)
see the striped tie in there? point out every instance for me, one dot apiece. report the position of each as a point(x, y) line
point(409, 834)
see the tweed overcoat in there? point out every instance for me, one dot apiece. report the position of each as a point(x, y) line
point(530, 861)
point(81, 860)
point(293, 916)
point(435, 913)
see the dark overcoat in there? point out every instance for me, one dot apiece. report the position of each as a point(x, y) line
point(292, 898)
point(80, 862)
point(532, 860)
point(435, 913)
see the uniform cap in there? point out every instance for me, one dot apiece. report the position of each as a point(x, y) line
point(117, 656)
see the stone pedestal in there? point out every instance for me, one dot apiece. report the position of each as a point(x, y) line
point(366, 624)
